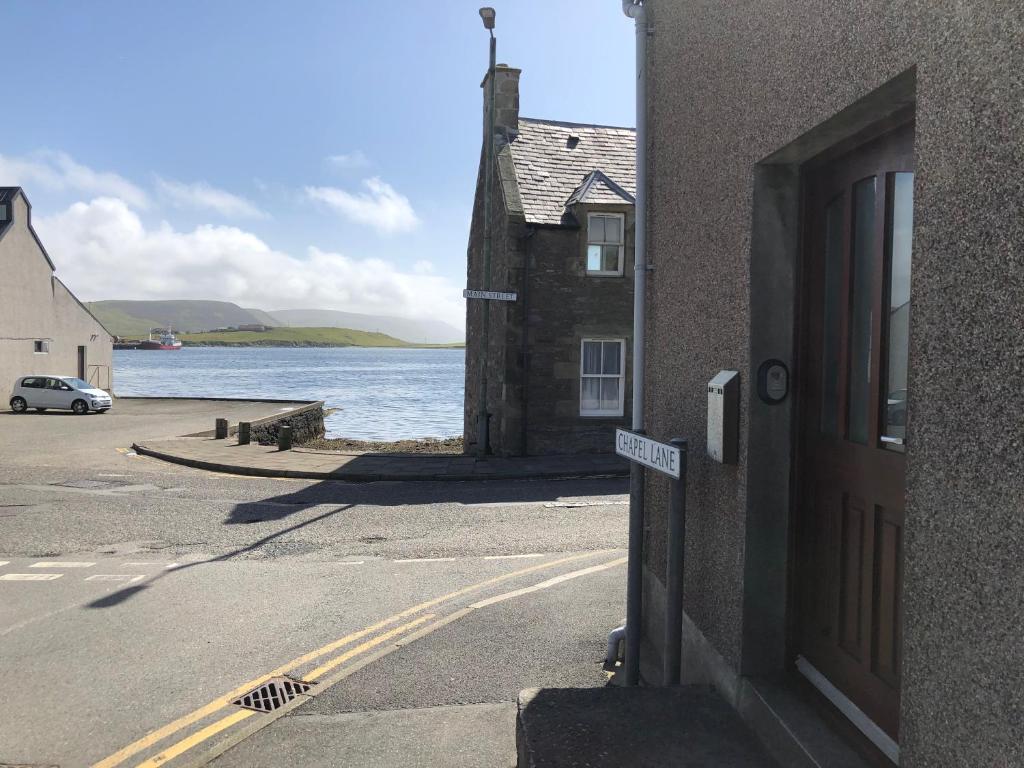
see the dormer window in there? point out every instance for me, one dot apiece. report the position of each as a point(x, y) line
point(605, 243)
point(3, 212)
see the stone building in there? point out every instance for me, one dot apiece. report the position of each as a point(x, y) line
point(838, 190)
point(562, 214)
point(43, 327)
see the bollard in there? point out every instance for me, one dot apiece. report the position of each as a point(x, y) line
point(284, 438)
point(220, 431)
point(244, 431)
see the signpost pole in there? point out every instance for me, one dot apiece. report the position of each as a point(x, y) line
point(483, 417)
point(674, 568)
point(634, 573)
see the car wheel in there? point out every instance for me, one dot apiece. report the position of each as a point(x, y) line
point(18, 404)
point(80, 407)
point(40, 410)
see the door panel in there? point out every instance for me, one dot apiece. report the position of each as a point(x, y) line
point(851, 462)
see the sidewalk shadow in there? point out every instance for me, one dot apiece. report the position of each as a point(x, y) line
point(422, 493)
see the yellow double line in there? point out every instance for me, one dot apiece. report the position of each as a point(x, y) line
point(155, 737)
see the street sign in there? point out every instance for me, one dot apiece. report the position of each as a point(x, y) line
point(659, 456)
point(491, 295)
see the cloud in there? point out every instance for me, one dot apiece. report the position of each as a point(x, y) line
point(201, 196)
point(352, 160)
point(104, 251)
point(58, 171)
point(380, 207)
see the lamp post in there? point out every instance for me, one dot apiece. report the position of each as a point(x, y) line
point(483, 417)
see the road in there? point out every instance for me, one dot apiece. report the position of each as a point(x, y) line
point(138, 599)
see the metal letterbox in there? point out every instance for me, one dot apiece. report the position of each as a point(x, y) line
point(724, 417)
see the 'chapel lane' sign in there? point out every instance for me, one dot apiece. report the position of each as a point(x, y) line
point(492, 295)
point(643, 450)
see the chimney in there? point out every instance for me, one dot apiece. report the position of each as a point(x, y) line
point(506, 99)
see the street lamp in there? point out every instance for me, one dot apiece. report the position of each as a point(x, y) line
point(483, 417)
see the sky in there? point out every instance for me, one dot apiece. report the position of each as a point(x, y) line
point(317, 154)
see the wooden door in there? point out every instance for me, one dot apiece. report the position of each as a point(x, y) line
point(852, 479)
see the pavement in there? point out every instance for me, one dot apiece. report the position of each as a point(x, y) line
point(45, 439)
point(682, 726)
point(267, 461)
point(138, 598)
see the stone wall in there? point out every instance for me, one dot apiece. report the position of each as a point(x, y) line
point(307, 424)
point(533, 361)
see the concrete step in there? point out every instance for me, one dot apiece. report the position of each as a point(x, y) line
point(682, 727)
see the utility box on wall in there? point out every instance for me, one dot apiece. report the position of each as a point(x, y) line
point(724, 417)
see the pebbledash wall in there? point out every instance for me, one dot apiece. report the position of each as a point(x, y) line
point(37, 307)
point(739, 97)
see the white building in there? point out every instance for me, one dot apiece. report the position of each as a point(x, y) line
point(43, 327)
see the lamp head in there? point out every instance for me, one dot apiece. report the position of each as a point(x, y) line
point(487, 14)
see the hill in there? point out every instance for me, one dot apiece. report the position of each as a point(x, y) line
point(294, 337)
point(418, 331)
point(128, 318)
point(119, 322)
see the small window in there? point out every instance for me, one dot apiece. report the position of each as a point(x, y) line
point(3, 212)
point(605, 238)
point(42, 347)
point(602, 377)
point(33, 383)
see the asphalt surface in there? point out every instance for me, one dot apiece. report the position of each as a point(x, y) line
point(191, 584)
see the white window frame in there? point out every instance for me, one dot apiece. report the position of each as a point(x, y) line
point(621, 376)
point(43, 347)
point(622, 245)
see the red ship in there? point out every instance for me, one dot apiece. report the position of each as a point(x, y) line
point(166, 341)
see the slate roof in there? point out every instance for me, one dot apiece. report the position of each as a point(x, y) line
point(598, 188)
point(554, 160)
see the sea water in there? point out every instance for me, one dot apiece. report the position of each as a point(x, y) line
point(380, 394)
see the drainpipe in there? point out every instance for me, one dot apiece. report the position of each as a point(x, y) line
point(635, 10)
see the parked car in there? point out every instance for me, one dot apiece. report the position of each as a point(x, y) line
point(64, 393)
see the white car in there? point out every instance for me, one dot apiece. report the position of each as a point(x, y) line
point(64, 393)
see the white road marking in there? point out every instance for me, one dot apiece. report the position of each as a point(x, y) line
point(512, 557)
point(548, 583)
point(146, 564)
point(5, 562)
point(109, 474)
point(427, 560)
point(350, 562)
point(60, 564)
point(30, 576)
point(115, 577)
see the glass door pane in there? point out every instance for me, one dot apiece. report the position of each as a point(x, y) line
point(861, 303)
point(899, 246)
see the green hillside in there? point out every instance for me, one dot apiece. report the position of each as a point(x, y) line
point(293, 337)
point(119, 322)
point(132, 318)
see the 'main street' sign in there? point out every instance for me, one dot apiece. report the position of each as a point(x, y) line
point(643, 450)
point(492, 295)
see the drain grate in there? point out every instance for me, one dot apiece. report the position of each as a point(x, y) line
point(272, 695)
